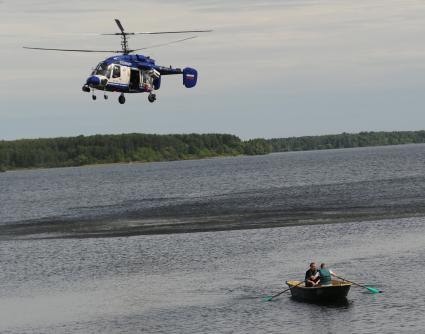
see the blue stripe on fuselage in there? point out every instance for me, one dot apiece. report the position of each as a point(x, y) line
point(117, 87)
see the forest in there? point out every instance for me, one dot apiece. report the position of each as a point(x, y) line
point(134, 147)
point(346, 140)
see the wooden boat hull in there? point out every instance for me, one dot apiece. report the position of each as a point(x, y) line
point(320, 294)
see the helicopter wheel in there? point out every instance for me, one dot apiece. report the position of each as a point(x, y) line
point(105, 96)
point(121, 99)
point(152, 98)
point(93, 97)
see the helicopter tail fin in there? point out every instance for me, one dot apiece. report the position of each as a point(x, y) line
point(190, 77)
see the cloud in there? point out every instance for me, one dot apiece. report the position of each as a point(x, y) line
point(289, 49)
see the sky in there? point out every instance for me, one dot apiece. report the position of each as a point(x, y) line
point(272, 68)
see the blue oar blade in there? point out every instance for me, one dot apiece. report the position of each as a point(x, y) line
point(373, 290)
point(267, 299)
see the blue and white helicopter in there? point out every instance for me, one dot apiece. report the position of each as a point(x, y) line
point(132, 73)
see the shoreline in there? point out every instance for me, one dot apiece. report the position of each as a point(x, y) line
point(106, 164)
point(123, 163)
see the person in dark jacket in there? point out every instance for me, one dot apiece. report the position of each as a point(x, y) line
point(312, 275)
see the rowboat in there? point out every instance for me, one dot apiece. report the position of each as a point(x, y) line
point(322, 294)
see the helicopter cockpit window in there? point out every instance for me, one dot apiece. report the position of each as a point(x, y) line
point(101, 69)
point(116, 73)
point(108, 71)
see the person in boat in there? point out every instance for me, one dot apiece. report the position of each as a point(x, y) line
point(312, 275)
point(325, 275)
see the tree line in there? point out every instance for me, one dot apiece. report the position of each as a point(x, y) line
point(134, 147)
point(346, 140)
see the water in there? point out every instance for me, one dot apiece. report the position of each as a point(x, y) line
point(215, 194)
point(213, 282)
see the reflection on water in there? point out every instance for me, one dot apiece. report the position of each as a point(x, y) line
point(339, 303)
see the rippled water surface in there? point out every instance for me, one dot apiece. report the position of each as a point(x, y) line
point(336, 180)
point(213, 282)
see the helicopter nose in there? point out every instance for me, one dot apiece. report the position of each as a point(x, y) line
point(93, 81)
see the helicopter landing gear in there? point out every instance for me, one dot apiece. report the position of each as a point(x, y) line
point(121, 99)
point(93, 97)
point(105, 96)
point(152, 97)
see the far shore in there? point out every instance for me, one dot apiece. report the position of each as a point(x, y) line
point(123, 163)
point(139, 147)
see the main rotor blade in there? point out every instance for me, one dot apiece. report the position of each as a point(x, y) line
point(155, 32)
point(118, 34)
point(168, 32)
point(119, 25)
point(164, 44)
point(73, 50)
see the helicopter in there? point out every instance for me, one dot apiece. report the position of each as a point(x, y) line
point(132, 73)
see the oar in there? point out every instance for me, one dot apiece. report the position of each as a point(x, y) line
point(373, 290)
point(269, 298)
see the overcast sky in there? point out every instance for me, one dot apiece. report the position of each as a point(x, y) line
point(272, 68)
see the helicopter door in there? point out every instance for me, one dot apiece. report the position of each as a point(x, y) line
point(116, 75)
point(145, 80)
point(134, 79)
point(120, 76)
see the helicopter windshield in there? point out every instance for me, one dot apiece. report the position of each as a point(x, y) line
point(101, 69)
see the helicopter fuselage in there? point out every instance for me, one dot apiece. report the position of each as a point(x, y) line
point(131, 73)
point(134, 74)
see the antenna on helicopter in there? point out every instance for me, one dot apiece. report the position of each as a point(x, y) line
point(124, 40)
